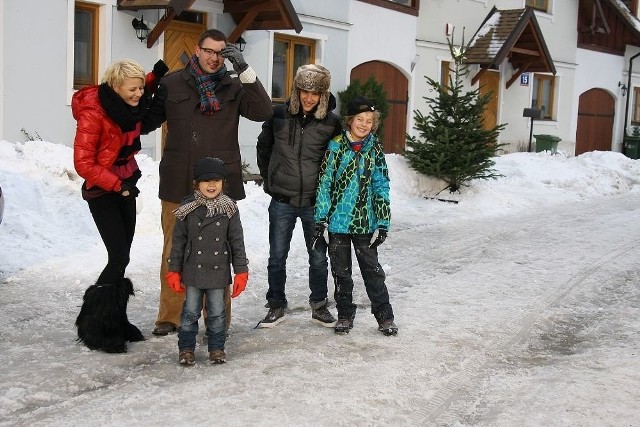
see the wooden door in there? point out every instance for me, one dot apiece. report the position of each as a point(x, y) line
point(490, 82)
point(396, 86)
point(180, 39)
point(596, 110)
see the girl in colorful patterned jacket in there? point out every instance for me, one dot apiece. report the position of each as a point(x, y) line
point(353, 207)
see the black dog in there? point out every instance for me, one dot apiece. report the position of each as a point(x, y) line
point(102, 322)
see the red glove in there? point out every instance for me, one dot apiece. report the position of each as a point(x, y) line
point(175, 281)
point(239, 283)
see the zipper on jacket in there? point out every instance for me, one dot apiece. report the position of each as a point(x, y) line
point(300, 189)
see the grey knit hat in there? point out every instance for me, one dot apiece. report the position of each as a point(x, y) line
point(312, 78)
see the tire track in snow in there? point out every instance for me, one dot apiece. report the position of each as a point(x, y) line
point(516, 329)
point(433, 410)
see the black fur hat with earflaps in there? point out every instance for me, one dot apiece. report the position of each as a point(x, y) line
point(312, 78)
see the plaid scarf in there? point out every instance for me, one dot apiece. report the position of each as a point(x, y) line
point(206, 85)
point(222, 204)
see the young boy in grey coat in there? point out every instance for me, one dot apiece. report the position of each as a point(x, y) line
point(207, 240)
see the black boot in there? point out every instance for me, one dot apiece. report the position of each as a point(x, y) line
point(132, 333)
point(99, 322)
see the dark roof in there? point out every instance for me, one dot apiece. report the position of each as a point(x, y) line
point(142, 4)
point(512, 35)
point(247, 14)
point(628, 18)
point(262, 15)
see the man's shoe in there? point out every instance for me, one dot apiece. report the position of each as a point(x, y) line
point(187, 357)
point(387, 327)
point(164, 328)
point(217, 356)
point(343, 326)
point(273, 317)
point(323, 316)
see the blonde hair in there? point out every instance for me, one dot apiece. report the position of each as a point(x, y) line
point(117, 72)
point(376, 120)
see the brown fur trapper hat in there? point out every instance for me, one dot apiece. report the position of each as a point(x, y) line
point(312, 78)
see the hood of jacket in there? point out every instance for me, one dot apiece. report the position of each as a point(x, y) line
point(85, 99)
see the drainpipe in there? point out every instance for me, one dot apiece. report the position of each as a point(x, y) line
point(626, 110)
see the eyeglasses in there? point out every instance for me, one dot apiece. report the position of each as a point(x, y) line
point(211, 52)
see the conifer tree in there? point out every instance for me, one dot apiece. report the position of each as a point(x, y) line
point(452, 144)
point(370, 89)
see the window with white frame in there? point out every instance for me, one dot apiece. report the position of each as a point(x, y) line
point(289, 53)
point(542, 5)
point(85, 45)
point(636, 106)
point(404, 6)
point(445, 73)
point(543, 95)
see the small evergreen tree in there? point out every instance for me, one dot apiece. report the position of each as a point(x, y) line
point(372, 90)
point(453, 144)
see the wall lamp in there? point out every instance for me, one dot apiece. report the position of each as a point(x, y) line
point(623, 88)
point(241, 44)
point(142, 30)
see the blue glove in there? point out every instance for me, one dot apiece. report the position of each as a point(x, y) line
point(233, 54)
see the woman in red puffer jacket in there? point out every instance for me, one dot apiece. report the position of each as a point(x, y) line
point(110, 119)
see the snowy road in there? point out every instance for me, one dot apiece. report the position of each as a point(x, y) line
point(529, 320)
point(554, 337)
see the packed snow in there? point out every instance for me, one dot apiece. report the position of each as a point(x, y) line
point(518, 305)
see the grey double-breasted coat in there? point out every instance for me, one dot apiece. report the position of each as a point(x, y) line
point(204, 248)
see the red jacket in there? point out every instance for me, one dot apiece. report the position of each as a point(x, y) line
point(98, 140)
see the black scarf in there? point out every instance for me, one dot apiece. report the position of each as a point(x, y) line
point(125, 115)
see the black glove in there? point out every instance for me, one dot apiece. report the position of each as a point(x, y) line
point(160, 69)
point(320, 233)
point(161, 92)
point(233, 54)
point(379, 236)
point(129, 191)
point(152, 79)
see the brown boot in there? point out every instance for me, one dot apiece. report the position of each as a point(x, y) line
point(164, 328)
point(187, 357)
point(217, 356)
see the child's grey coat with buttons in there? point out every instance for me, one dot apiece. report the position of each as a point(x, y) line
point(203, 249)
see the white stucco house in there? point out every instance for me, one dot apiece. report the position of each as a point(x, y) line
point(571, 59)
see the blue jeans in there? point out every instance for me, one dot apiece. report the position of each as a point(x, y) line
point(282, 221)
point(215, 321)
point(372, 274)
